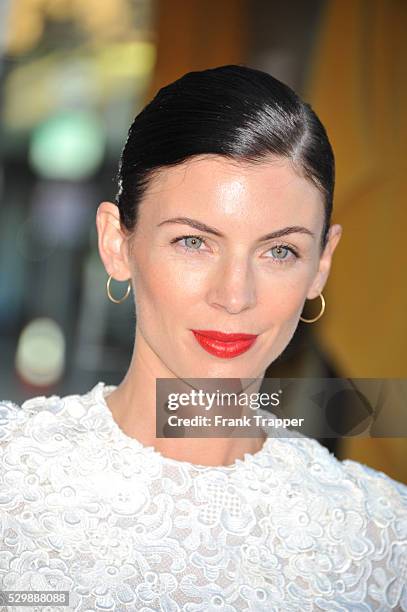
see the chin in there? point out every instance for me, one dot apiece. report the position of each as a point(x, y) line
point(223, 370)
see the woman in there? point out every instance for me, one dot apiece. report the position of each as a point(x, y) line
point(222, 229)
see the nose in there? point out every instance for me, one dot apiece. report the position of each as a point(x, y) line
point(232, 287)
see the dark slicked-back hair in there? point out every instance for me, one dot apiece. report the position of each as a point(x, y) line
point(238, 112)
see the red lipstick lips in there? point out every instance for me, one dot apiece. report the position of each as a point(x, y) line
point(224, 345)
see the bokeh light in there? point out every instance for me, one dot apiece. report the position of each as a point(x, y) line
point(69, 145)
point(40, 355)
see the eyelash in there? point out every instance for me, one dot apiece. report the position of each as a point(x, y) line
point(278, 261)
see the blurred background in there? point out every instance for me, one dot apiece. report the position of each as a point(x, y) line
point(73, 75)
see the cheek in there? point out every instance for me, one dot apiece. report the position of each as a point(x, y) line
point(282, 296)
point(278, 313)
point(167, 286)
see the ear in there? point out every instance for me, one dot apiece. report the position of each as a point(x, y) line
point(112, 241)
point(325, 261)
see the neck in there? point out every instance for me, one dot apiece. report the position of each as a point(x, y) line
point(133, 405)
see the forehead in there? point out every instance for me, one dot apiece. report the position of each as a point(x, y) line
point(210, 186)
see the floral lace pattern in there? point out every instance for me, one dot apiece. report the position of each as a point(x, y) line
point(86, 509)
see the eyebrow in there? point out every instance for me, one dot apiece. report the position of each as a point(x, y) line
point(292, 229)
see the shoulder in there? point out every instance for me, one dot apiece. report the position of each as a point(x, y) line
point(47, 443)
point(15, 418)
point(345, 484)
point(39, 418)
point(320, 461)
point(322, 470)
point(353, 496)
point(12, 418)
point(385, 497)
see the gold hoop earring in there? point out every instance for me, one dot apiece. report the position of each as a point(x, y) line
point(320, 314)
point(109, 295)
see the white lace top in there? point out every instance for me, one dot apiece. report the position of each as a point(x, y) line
point(86, 509)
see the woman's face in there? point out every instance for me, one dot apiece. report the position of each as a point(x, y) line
point(201, 259)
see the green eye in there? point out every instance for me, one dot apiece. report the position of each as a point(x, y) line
point(189, 242)
point(282, 254)
point(281, 251)
point(193, 242)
